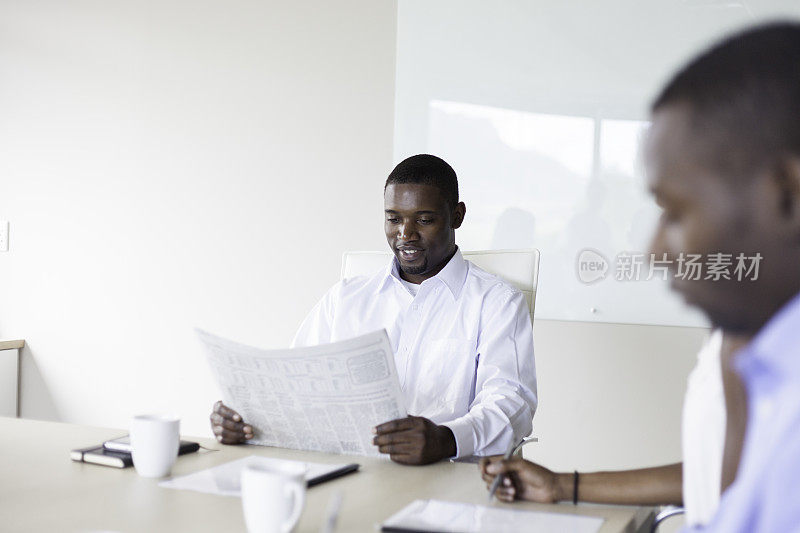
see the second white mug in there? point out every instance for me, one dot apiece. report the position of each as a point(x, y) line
point(273, 496)
point(154, 444)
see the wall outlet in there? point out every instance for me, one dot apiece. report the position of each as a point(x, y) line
point(3, 235)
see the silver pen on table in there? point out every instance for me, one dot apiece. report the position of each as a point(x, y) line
point(335, 503)
point(511, 450)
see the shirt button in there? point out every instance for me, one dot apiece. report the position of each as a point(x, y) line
point(415, 307)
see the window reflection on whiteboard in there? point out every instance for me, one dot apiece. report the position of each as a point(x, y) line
point(561, 184)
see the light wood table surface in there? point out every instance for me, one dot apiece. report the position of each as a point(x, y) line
point(11, 344)
point(9, 376)
point(41, 489)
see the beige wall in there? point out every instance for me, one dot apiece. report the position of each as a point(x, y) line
point(610, 394)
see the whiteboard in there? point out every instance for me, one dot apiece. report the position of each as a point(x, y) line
point(540, 107)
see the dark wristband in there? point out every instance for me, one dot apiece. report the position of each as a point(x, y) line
point(575, 479)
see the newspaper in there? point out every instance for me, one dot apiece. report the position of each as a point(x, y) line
point(323, 398)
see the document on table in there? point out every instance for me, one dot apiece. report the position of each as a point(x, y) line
point(323, 398)
point(451, 517)
point(225, 479)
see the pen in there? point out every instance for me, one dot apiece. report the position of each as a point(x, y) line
point(496, 483)
point(335, 503)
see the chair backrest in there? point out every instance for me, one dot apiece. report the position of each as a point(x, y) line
point(520, 268)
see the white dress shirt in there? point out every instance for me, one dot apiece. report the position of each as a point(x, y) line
point(703, 434)
point(463, 347)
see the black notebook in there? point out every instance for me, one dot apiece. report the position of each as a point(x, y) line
point(102, 455)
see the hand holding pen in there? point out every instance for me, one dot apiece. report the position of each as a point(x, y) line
point(509, 478)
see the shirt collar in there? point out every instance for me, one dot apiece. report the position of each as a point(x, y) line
point(453, 275)
point(775, 348)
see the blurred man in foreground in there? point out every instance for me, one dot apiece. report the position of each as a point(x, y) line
point(723, 161)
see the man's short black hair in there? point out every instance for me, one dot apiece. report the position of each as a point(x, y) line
point(744, 93)
point(429, 170)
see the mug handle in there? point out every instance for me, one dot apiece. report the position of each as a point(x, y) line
point(298, 493)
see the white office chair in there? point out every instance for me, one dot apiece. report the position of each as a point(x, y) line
point(520, 268)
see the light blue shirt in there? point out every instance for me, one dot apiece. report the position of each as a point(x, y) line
point(766, 494)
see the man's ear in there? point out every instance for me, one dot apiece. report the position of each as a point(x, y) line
point(787, 181)
point(458, 215)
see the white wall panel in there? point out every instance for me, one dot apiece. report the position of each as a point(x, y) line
point(540, 107)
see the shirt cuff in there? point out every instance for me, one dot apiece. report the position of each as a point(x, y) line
point(465, 436)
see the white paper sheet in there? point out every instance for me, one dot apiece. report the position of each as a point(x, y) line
point(322, 398)
point(452, 517)
point(225, 479)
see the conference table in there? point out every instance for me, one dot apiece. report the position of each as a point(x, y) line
point(41, 489)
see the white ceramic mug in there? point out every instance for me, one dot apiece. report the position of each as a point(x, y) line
point(273, 496)
point(154, 444)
